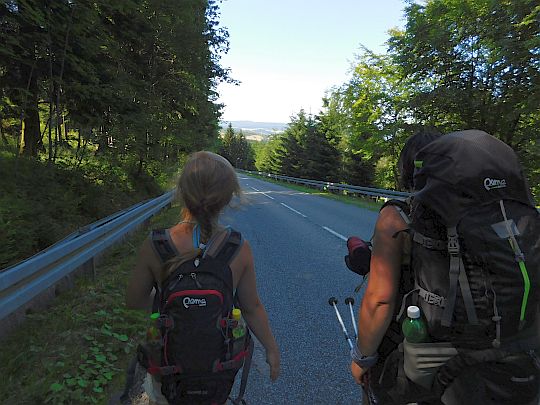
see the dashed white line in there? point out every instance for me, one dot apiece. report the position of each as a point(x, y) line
point(293, 210)
point(266, 195)
point(262, 192)
point(340, 236)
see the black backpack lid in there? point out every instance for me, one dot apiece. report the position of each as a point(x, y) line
point(466, 168)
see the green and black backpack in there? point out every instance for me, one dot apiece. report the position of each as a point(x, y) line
point(475, 258)
point(476, 241)
point(197, 357)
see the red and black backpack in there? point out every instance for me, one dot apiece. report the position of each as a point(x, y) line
point(197, 359)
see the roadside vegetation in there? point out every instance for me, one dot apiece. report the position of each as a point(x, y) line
point(77, 350)
point(42, 203)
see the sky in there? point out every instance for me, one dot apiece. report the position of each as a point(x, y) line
point(287, 54)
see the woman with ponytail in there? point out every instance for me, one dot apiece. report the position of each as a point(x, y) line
point(206, 186)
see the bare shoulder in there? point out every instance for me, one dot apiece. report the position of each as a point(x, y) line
point(389, 221)
point(242, 264)
point(245, 256)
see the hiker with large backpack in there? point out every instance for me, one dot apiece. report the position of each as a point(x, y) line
point(201, 271)
point(465, 249)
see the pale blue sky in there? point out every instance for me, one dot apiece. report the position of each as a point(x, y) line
point(288, 53)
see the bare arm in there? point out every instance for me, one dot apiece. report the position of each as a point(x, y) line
point(254, 312)
point(380, 298)
point(141, 282)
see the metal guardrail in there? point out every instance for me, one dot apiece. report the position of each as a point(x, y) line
point(369, 191)
point(20, 283)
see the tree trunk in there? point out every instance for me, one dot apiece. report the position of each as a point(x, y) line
point(140, 166)
point(32, 132)
point(51, 87)
point(61, 75)
point(3, 135)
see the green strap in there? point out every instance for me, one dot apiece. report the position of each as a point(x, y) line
point(521, 262)
point(527, 282)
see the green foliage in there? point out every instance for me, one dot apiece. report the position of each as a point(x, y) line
point(42, 203)
point(265, 156)
point(97, 365)
point(475, 65)
point(132, 78)
point(307, 149)
point(237, 150)
point(76, 351)
point(456, 65)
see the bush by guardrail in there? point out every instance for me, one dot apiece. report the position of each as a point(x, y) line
point(20, 283)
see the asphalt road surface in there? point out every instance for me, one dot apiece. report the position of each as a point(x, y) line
point(298, 241)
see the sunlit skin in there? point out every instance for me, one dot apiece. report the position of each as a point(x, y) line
point(379, 301)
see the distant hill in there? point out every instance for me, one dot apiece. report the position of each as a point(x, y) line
point(258, 131)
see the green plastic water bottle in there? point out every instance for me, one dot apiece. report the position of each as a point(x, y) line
point(413, 327)
point(152, 333)
point(240, 329)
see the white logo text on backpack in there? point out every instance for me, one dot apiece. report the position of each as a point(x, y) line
point(491, 184)
point(188, 301)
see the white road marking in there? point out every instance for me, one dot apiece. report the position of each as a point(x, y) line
point(293, 210)
point(340, 236)
point(263, 193)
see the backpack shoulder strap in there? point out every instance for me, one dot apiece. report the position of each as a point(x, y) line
point(403, 208)
point(225, 249)
point(161, 243)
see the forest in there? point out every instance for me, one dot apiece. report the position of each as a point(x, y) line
point(100, 103)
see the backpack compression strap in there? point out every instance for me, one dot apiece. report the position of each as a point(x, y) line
point(245, 373)
point(457, 270)
point(457, 273)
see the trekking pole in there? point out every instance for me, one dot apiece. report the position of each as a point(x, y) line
point(332, 302)
point(350, 302)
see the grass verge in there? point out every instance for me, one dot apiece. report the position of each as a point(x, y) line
point(359, 201)
point(76, 351)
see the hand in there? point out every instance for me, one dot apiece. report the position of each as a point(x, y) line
point(273, 360)
point(357, 373)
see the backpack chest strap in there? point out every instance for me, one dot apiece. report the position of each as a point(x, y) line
point(427, 296)
point(429, 243)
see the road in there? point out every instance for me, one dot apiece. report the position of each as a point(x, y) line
point(298, 241)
